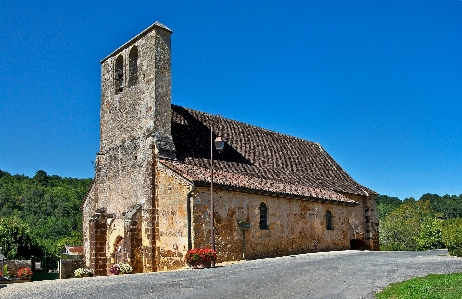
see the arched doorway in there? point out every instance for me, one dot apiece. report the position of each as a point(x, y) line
point(119, 250)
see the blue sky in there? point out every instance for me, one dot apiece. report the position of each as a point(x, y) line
point(377, 83)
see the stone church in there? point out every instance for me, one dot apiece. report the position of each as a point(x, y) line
point(150, 200)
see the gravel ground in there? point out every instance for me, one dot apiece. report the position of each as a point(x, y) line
point(341, 274)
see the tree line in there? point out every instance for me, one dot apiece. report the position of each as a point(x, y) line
point(416, 224)
point(39, 215)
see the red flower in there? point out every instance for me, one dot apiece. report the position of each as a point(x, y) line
point(204, 254)
point(24, 273)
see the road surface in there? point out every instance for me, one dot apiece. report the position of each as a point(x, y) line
point(340, 274)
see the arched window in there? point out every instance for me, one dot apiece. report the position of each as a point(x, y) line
point(329, 220)
point(263, 216)
point(133, 66)
point(119, 74)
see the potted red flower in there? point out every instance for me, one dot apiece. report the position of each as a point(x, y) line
point(200, 258)
point(24, 273)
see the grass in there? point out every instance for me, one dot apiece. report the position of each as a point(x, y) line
point(441, 286)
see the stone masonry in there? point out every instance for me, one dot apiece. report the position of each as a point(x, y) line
point(149, 202)
point(135, 130)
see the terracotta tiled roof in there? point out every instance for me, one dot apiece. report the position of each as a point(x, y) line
point(257, 185)
point(75, 250)
point(256, 158)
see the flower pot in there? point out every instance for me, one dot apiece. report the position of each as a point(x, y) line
point(202, 264)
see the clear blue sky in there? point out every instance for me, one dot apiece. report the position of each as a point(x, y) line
point(377, 83)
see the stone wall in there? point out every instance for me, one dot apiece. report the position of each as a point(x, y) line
point(294, 225)
point(98, 239)
point(143, 108)
point(88, 210)
point(125, 180)
point(172, 219)
point(135, 128)
point(68, 266)
point(16, 264)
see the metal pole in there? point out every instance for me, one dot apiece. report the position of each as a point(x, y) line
point(243, 244)
point(212, 208)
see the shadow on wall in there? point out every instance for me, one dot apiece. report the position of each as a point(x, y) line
point(192, 138)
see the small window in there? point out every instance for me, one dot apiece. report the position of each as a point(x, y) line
point(133, 66)
point(119, 74)
point(263, 216)
point(329, 220)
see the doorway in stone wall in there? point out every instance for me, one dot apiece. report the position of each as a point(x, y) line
point(119, 250)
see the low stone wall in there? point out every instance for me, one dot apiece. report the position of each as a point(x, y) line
point(16, 264)
point(68, 266)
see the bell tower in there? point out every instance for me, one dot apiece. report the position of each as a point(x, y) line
point(136, 91)
point(135, 130)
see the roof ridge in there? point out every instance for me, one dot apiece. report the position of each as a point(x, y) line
point(157, 24)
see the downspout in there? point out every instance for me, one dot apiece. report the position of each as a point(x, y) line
point(188, 212)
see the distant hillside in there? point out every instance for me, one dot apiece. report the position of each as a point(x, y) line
point(49, 205)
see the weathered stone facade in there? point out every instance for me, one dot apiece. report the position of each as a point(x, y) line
point(135, 130)
point(150, 199)
point(294, 225)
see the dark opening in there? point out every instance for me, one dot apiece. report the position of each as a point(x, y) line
point(357, 244)
point(119, 74)
point(133, 66)
point(329, 220)
point(263, 216)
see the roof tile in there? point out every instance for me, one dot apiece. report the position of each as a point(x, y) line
point(256, 158)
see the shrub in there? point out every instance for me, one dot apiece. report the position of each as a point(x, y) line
point(430, 234)
point(125, 268)
point(115, 269)
point(82, 272)
point(412, 226)
point(121, 268)
point(24, 273)
point(8, 271)
point(452, 236)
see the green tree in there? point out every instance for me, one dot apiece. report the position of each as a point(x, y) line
point(16, 240)
point(447, 206)
point(49, 205)
point(386, 205)
point(401, 229)
point(430, 236)
point(452, 235)
point(41, 178)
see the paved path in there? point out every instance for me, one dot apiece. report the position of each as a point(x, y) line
point(344, 274)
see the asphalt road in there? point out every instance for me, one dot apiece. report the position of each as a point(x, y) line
point(342, 274)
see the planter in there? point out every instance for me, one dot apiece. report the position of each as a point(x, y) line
point(14, 281)
point(202, 264)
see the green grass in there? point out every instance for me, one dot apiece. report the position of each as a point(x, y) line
point(441, 286)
